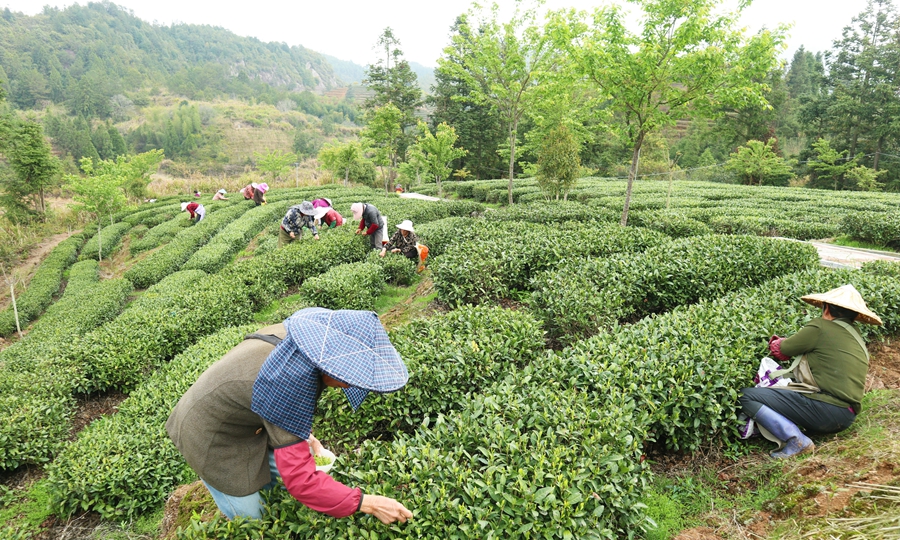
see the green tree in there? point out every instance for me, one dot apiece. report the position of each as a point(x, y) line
point(307, 143)
point(863, 73)
point(829, 166)
point(275, 163)
point(478, 124)
point(107, 185)
point(558, 163)
point(392, 80)
point(502, 67)
point(758, 163)
point(383, 134)
point(864, 178)
point(685, 61)
point(436, 151)
point(340, 158)
point(98, 193)
point(34, 168)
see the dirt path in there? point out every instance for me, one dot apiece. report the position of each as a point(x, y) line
point(25, 271)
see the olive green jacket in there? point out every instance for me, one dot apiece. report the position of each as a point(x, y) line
point(213, 427)
point(837, 362)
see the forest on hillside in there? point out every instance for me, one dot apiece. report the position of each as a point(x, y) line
point(511, 98)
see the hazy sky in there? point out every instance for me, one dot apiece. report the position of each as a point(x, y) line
point(348, 29)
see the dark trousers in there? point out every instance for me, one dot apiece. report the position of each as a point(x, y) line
point(812, 415)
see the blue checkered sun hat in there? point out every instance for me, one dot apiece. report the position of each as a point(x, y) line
point(350, 346)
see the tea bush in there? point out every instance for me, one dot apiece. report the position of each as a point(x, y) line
point(345, 286)
point(437, 235)
point(396, 268)
point(500, 262)
point(109, 237)
point(36, 388)
point(267, 276)
point(882, 268)
point(123, 465)
point(151, 217)
point(879, 228)
point(168, 317)
point(673, 224)
point(218, 252)
point(43, 285)
point(578, 298)
point(516, 461)
point(687, 366)
point(159, 234)
point(449, 357)
point(551, 212)
point(170, 258)
point(81, 275)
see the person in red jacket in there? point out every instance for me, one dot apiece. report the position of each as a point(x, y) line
point(247, 420)
point(196, 211)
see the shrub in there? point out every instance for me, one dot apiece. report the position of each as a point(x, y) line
point(152, 217)
point(267, 276)
point(437, 235)
point(552, 212)
point(882, 268)
point(163, 262)
point(449, 357)
point(124, 465)
point(675, 225)
point(159, 234)
point(346, 286)
point(396, 268)
point(168, 317)
point(687, 366)
point(35, 384)
point(218, 252)
point(43, 285)
point(882, 229)
point(109, 237)
point(579, 297)
point(515, 461)
point(500, 262)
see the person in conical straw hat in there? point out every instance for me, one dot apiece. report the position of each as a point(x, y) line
point(247, 421)
point(828, 365)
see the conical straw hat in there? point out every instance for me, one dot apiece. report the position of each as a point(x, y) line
point(846, 297)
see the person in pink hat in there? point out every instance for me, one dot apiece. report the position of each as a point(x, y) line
point(828, 375)
point(256, 192)
point(371, 223)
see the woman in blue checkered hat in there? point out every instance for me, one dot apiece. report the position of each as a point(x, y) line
point(248, 419)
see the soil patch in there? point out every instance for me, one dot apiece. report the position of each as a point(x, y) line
point(92, 407)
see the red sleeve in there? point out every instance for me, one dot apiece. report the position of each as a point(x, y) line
point(372, 228)
point(313, 488)
point(361, 224)
point(191, 207)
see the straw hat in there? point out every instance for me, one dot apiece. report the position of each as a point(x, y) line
point(263, 187)
point(184, 206)
point(406, 225)
point(846, 297)
point(222, 191)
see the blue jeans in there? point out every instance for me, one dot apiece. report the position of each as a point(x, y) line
point(250, 506)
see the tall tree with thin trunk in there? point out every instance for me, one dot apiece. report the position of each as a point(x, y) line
point(504, 66)
point(383, 134)
point(686, 61)
point(35, 169)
